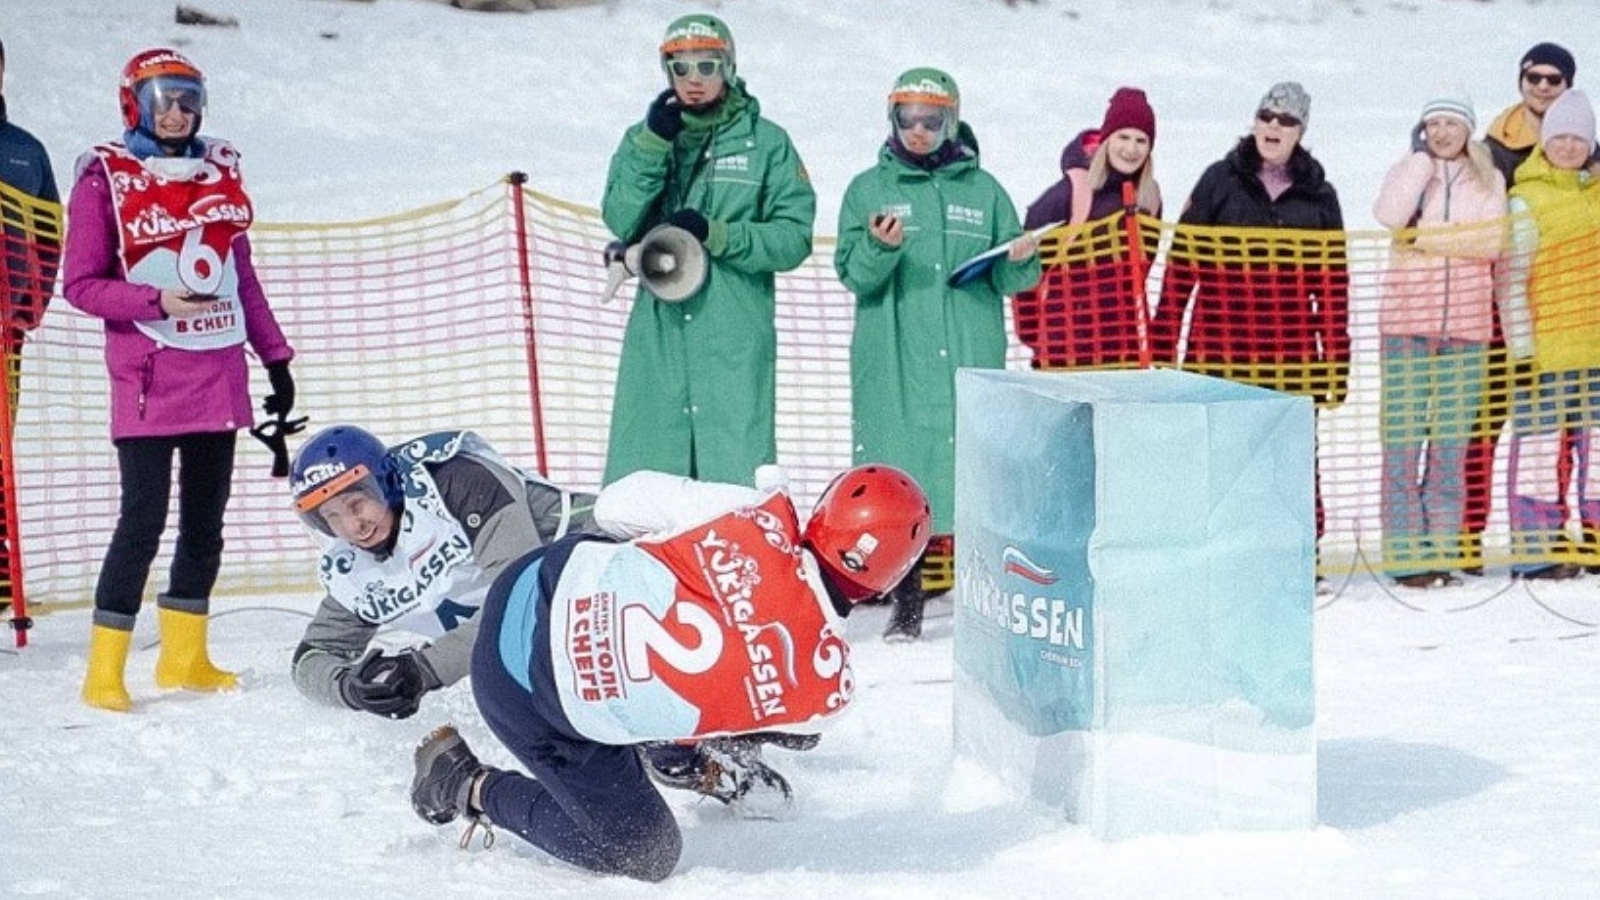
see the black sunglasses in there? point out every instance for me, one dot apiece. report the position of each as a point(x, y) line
point(1555, 79)
point(1267, 117)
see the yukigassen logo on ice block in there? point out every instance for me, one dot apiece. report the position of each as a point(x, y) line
point(1013, 602)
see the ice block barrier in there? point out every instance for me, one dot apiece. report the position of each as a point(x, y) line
point(1133, 602)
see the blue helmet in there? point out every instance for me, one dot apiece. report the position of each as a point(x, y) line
point(337, 459)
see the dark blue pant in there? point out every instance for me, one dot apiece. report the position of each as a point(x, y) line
point(587, 803)
point(205, 481)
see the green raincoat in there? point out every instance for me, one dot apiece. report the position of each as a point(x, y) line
point(697, 383)
point(911, 331)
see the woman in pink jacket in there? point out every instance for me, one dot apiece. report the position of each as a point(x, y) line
point(156, 248)
point(1446, 203)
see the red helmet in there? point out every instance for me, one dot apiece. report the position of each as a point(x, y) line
point(870, 527)
point(153, 72)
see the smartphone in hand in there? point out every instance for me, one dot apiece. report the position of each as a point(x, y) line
point(201, 298)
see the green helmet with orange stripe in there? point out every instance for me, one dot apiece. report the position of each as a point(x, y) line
point(698, 32)
point(928, 87)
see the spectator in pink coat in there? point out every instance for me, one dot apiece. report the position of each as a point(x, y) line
point(157, 249)
point(1445, 201)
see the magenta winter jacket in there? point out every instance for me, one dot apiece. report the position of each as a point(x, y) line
point(186, 391)
point(1442, 284)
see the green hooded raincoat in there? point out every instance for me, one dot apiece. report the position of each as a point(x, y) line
point(697, 381)
point(912, 331)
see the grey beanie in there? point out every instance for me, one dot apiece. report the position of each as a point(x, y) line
point(1289, 98)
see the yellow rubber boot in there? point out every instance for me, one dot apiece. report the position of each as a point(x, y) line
point(184, 662)
point(108, 656)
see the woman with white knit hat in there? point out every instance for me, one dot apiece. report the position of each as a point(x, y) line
point(1446, 204)
point(1551, 319)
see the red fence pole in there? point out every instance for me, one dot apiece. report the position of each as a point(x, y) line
point(20, 623)
point(530, 334)
point(1138, 272)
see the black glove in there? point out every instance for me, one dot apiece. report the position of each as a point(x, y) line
point(665, 116)
point(1419, 139)
point(389, 686)
point(281, 400)
point(275, 434)
point(691, 221)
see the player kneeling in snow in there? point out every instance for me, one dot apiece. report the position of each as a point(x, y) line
point(417, 534)
point(719, 615)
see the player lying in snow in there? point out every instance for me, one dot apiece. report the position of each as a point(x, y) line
point(709, 612)
point(416, 535)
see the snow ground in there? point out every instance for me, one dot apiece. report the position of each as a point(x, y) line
point(1457, 759)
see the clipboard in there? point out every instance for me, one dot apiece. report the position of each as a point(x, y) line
point(979, 266)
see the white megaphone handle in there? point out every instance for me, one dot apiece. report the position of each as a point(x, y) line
point(616, 274)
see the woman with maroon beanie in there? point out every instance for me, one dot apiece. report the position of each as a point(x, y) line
point(1087, 310)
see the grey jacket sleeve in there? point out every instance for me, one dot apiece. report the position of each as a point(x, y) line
point(450, 657)
point(535, 515)
point(494, 507)
point(334, 640)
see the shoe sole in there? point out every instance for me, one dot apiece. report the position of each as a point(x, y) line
point(735, 777)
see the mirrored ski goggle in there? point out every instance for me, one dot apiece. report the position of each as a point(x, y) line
point(160, 95)
point(905, 120)
point(705, 67)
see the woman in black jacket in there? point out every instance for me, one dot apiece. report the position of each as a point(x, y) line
point(1269, 310)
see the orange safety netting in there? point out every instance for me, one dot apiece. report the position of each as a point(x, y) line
point(484, 313)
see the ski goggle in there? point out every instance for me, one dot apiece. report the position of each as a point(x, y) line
point(905, 120)
point(705, 67)
point(161, 94)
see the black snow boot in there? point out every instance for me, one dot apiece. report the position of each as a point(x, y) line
point(905, 620)
point(446, 771)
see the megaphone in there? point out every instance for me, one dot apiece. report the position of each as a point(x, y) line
point(667, 260)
